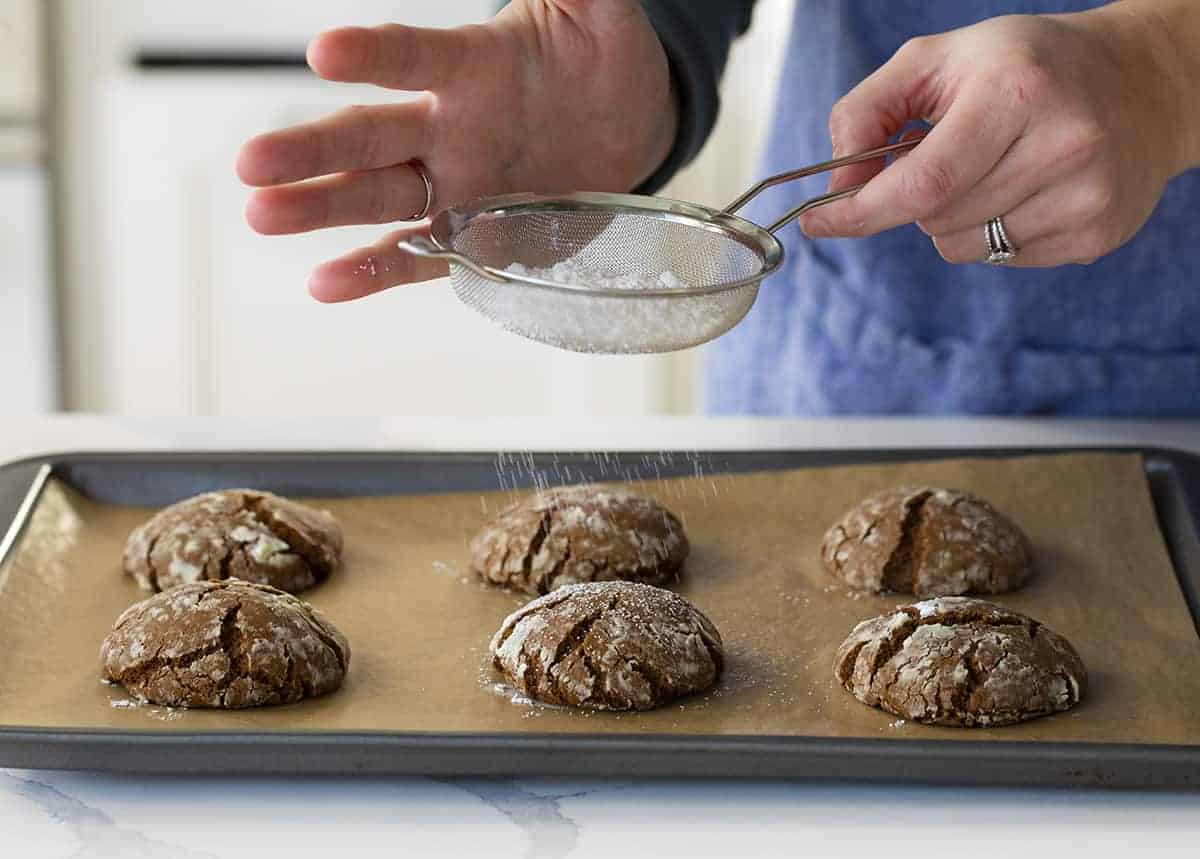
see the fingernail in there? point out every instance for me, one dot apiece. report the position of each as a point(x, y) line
point(816, 227)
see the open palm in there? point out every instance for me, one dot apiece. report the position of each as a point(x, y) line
point(550, 95)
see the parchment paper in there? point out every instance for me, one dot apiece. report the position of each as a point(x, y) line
point(419, 622)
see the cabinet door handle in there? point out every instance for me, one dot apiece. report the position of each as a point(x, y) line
point(153, 59)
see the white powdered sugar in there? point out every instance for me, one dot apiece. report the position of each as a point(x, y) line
point(615, 313)
point(571, 272)
point(185, 571)
point(263, 546)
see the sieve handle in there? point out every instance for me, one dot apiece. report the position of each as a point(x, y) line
point(813, 170)
point(423, 247)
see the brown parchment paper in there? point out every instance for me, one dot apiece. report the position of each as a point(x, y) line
point(419, 622)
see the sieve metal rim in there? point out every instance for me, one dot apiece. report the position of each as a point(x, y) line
point(450, 222)
point(760, 240)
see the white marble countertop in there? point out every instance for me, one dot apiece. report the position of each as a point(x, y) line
point(53, 814)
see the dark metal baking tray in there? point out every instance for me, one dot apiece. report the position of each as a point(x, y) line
point(154, 479)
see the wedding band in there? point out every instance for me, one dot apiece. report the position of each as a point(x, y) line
point(419, 168)
point(999, 249)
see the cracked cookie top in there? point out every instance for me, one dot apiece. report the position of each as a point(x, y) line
point(580, 534)
point(926, 541)
point(235, 533)
point(608, 646)
point(227, 644)
point(962, 662)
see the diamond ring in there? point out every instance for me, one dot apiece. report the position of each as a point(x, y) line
point(999, 249)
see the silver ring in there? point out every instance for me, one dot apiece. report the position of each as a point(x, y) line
point(999, 249)
point(419, 168)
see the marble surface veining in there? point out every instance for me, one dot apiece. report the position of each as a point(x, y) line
point(57, 814)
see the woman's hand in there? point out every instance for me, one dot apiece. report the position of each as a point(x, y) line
point(551, 95)
point(1066, 126)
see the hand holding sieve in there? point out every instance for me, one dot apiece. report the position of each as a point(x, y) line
point(502, 249)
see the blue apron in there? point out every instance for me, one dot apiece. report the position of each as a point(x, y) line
point(883, 325)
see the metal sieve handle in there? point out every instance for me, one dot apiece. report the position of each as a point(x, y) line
point(423, 247)
point(813, 170)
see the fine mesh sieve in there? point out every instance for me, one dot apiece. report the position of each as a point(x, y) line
point(615, 273)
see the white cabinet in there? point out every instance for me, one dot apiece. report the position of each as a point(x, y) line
point(20, 66)
point(206, 316)
point(174, 306)
point(274, 24)
point(28, 375)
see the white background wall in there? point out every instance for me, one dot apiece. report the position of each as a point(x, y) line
point(173, 306)
point(20, 75)
point(28, 375)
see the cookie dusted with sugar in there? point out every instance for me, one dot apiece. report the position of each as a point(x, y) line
point(608, 646)
point(227, 644)
point(235, 533)
point(580, 534)
point(962, 662)
point(926, 541)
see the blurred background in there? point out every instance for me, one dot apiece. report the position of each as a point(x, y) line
point(130, 283)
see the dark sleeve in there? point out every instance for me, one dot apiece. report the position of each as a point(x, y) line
point(697, 35)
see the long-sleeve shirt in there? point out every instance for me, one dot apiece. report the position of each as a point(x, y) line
point(697, 35)
point(884, 324)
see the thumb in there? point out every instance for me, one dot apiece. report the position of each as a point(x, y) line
point(901, 90)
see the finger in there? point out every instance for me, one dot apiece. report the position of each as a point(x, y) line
point(877, 108)
point(1033, 219)
point(864, 172)
point(958, 152)
point(1063, 248)
point(1034, 227)
point(374, 197)
point(394, 55)
point(373, 269)
point(914, 134)
point(357, 138)
point(1023, 170)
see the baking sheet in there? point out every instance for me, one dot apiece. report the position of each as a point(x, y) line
point(419, 623)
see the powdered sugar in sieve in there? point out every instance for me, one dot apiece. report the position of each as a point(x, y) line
point(573, 273)
point(622, 316)
point(620, 273)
